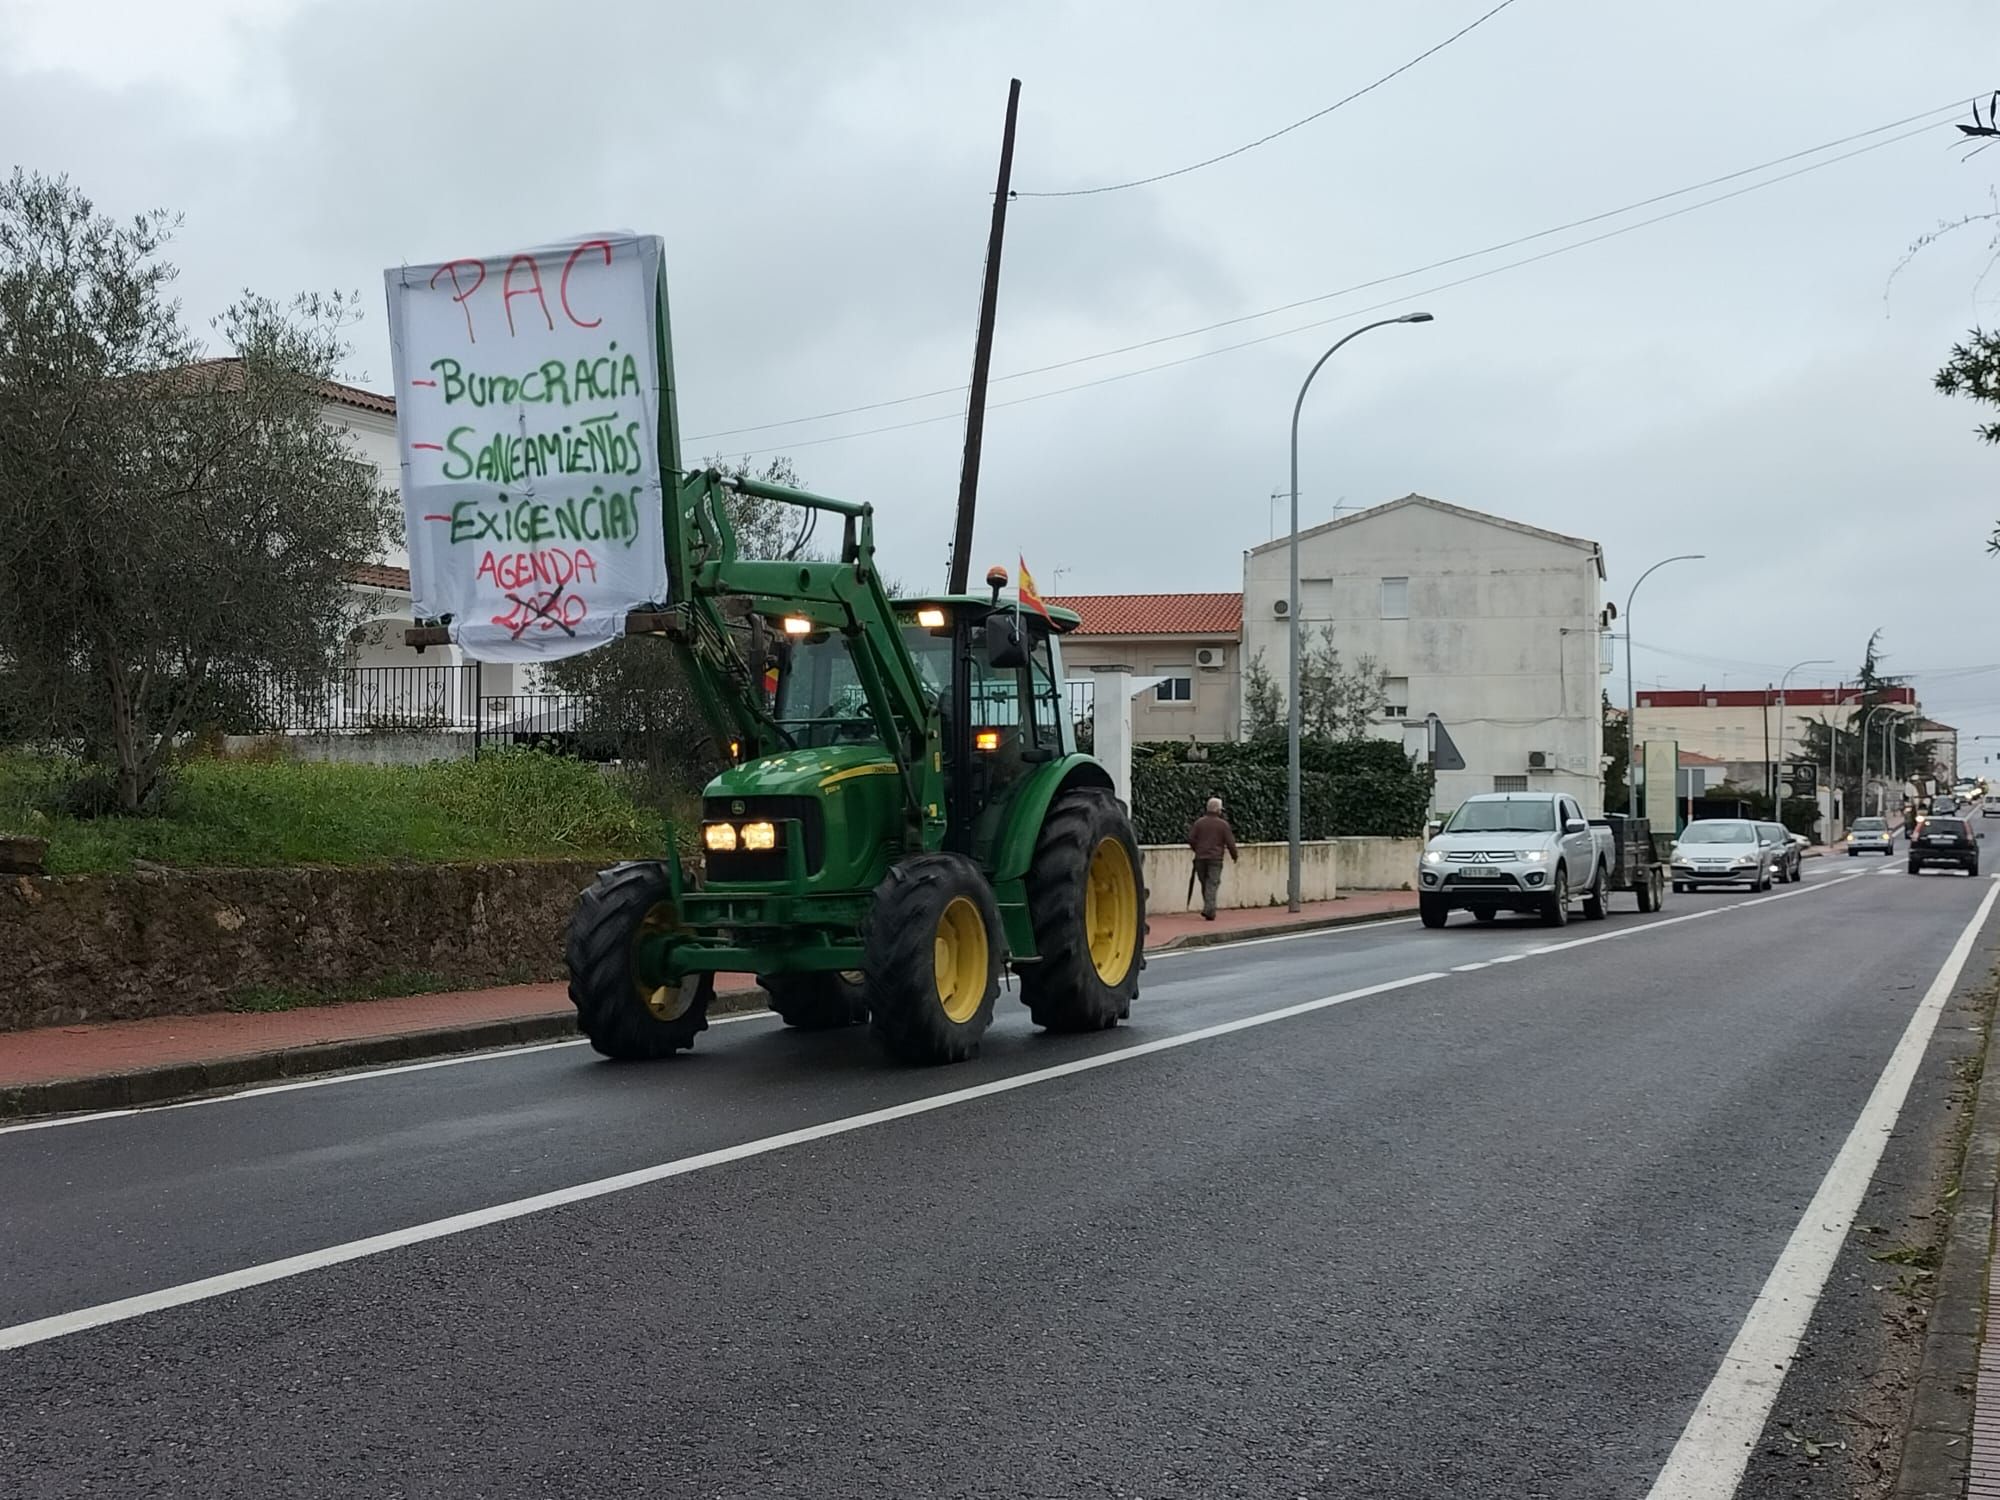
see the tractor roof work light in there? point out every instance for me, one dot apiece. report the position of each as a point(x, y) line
point(931, 619)
point(798, 625)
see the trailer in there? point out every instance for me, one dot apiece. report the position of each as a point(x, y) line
point(1640, 860)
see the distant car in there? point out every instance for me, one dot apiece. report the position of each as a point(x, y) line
point(1870, 836)
point(1945, 841)
point(1784, 853)
point(1722, 851)
point(1943, 805)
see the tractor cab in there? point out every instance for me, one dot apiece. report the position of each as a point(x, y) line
point(994, 672)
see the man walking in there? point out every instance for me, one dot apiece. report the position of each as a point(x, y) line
point(1211, 838)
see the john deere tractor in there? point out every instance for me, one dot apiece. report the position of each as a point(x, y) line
point(904, 817)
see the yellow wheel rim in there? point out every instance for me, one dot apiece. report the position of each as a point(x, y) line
point(1111, 911)
point(959, 956)
point(667, 1002)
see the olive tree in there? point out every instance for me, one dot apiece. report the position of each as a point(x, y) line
point(171, 525)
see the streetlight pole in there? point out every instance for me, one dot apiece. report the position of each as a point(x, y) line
point(1777, 776)
point(1292, 715)
point(1631, 690)
point(1867, 714)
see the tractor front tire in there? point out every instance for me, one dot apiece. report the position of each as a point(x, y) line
point(817, 1002)
point(933, 945)
point(1087, 902)
point(624, 1016)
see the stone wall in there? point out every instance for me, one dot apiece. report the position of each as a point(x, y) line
point(114, 947)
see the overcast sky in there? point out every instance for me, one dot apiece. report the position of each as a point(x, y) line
point(1739, 381)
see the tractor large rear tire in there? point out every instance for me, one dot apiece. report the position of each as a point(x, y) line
point(624, 1017)
point(817, 1002)
point(933, 946)
point(1087, 901)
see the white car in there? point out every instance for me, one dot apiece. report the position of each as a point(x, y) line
point(1722, 851)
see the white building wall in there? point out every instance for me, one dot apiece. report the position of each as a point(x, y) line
point(374, 439)
point(1501, 639)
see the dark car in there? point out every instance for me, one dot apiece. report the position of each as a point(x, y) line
point(1785, 852)
point(1945, 841)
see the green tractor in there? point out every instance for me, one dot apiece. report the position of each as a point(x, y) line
point(905, 814)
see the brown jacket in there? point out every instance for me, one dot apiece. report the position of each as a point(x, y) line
point(1211, 838)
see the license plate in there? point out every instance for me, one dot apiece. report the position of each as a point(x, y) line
point(1479, 872)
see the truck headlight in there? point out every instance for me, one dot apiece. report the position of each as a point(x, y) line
point(760, 836)
point(1534, 856)
point(1433, 857)
point(720, 837)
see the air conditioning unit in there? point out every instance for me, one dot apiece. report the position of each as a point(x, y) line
point(1541, 760)
point(1281, 607)
point(1211, 657)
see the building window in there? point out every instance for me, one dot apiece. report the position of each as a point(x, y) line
point(1176, 685)
point(1395, 697)
point(1510, 783)
point(1395, 598)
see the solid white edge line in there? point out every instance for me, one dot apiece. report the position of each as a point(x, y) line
point(324, 1080)
point(61, 1325)
point(1714, 1449)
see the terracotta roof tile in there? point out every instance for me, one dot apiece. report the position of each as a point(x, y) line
point(379, 576)
point(1156, 614)
point(227, 374)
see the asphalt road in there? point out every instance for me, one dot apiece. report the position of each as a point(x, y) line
point(1486, 1227)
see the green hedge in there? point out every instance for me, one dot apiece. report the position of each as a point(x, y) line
point(1364, 787)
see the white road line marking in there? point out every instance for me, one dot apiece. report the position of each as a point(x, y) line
point(61, 1325)
point(1713, 1451)
point(1469, 968)
point(498, 1054)
point(493, 1054)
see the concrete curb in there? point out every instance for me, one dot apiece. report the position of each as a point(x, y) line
point(1937, 1446)
point(143, 1087)
point(1223, 935)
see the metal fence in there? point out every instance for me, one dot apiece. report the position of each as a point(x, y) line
point(446, 699)
point(430, 699)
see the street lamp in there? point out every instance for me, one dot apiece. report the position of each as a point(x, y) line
point(1866, 714)
point(1292, 677)
point(1777, 781)
point(1631, 691)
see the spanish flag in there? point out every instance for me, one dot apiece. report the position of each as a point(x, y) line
point(1029, 598)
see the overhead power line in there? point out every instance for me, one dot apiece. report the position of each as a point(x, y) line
point(1265, 140)
point(1348, 315)
point(1930, 115)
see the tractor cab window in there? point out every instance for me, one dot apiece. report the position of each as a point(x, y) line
point(1051, 708)
point(820, 698)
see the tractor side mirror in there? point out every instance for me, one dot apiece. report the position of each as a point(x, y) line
point(1005, 650)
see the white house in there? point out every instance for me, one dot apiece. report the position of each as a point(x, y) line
point(383, 588)
point(1494, 626)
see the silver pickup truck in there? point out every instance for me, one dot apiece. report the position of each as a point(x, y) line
point(1516, 851)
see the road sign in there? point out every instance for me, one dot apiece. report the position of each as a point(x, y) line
point(1803, 779)
point(1445, 755)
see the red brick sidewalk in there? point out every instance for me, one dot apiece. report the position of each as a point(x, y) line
point(184, 1054)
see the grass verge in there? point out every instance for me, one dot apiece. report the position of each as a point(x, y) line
point(507, 804)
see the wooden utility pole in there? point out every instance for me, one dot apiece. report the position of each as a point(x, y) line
point(982, 357)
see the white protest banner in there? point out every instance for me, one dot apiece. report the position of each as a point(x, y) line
point(528, 418)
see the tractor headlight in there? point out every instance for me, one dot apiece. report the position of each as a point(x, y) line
point(720, 837)
point(760, 836)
